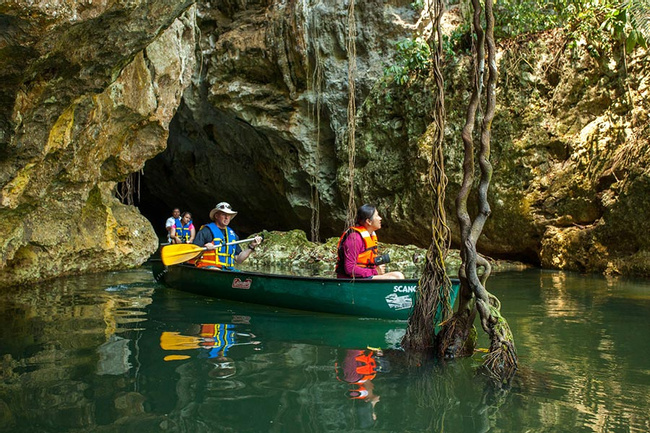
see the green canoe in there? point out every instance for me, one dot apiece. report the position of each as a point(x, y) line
point(387, 299)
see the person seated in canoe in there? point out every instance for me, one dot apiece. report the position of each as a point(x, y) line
point(357, 249)
point(216, 236)
point(171, 222)
point(184, 232)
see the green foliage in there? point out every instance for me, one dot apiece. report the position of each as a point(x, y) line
point(601, 23)
point(515, 17)
point(607, 24)
point(453, 44)
point(602, 26)
point(639, 11)
point(418, 5)
point(412, 60)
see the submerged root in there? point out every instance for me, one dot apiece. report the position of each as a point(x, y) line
point(500, 363)
point(456, 338)
point(433, 304)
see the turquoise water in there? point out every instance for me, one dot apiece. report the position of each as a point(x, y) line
point(118, 353)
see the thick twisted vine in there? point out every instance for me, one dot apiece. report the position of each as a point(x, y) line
point(501, 361)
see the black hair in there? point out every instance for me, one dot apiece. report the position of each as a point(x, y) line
point(365, 212)
point(186, 213)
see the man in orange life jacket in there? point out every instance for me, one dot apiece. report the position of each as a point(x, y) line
point(216, 235)
point(357, 248)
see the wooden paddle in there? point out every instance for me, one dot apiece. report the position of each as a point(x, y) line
point(179, 253)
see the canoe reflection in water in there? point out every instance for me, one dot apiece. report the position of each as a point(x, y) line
point(213, 341)
point(359, 368)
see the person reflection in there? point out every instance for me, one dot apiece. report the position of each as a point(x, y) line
point(359, 368)
point(213, 339)
point(216, 340)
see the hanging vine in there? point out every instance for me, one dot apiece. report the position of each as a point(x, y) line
point(125, 191)
point(315, 197)
point(352, 110)
point(434, 289)
point(315, 87)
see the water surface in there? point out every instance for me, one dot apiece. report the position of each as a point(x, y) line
point(116, 352)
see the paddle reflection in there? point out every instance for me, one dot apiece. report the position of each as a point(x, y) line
point(211, 341)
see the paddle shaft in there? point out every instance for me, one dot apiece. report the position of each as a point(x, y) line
point(242, 241)
point(179, 253)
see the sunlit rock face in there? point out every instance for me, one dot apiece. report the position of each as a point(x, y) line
point(567, 142)
point(88, 91)
point(250, 99)
point(263, 126)
point(570, 151)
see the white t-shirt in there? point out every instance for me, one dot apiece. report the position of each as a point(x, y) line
point(171, 222)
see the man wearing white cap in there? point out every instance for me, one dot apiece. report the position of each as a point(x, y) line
point(216, 235)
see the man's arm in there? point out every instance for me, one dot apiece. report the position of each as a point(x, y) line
point(203, 237)
point(169, 226)
point(173, 235)
point(244, 253)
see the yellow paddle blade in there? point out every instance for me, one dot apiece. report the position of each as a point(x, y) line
point(177, 341)
point(179, 253)
point(175, 357)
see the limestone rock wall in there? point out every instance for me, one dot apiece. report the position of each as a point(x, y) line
point(569, 144)
point(570, 153)
point(248, 131)
point(88, 92)
point(220, 99)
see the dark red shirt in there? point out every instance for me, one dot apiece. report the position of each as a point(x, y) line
point(352, 247)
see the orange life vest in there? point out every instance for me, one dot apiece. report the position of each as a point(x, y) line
point(366, 366)
point(224, 256)
point(367, 257)
point(358, 368)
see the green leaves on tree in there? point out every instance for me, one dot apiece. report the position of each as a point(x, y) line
point(412, 60)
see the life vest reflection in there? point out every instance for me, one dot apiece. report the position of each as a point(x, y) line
point(358, 368)
point(213, 340)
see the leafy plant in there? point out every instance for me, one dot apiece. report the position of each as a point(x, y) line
point(600, 23)
point(603, 25)
point(418, 5)
point(517, 17)
point(411, 60)
point(456, 43)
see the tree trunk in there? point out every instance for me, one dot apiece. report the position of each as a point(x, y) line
point(457, 336)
